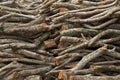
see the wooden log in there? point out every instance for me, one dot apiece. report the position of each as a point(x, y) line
point(50, 43)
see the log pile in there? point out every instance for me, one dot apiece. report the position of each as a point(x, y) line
point(60, 40)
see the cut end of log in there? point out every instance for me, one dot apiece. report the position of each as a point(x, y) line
point(50, 43)
point(103, 48)
point(44, 24)
point(60, 75)
point(63, 27)
point(57, 62)
point(62, 9)
point(70, 78)
point(60, 39)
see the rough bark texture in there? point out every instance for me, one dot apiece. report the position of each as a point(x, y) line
point(59, 39)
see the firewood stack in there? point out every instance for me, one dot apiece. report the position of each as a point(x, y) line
point(60, 40)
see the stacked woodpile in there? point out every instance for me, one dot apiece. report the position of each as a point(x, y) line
point(60, 40)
